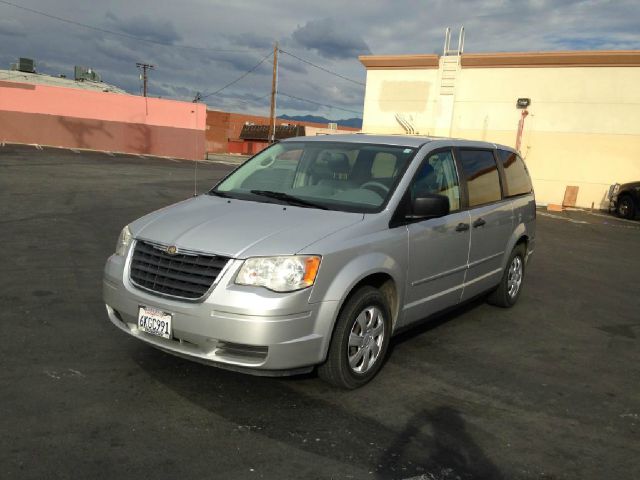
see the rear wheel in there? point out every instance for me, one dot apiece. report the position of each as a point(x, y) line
point(360, 340)
point(625, 208)
point(507, 293)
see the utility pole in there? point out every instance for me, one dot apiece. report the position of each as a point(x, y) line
point(144, 67)
point(274, 92)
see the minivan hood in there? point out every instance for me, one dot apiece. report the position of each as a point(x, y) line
point(238, 228)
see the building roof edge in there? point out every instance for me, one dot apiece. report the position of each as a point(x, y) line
point(399, 61)
point(575, 58)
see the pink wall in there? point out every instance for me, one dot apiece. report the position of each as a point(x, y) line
point(46, 112)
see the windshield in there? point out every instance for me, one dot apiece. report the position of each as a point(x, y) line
point(351, 177)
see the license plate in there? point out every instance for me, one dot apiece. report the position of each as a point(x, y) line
point(154, 321)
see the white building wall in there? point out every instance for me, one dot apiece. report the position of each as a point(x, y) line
point(583, 127)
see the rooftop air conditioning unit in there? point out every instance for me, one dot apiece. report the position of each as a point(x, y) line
point(26, 65)
point(82, 74)
point(333, 126)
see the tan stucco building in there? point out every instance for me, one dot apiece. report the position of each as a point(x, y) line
point(582, 127)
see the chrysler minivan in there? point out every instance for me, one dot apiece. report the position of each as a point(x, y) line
point(314, 252)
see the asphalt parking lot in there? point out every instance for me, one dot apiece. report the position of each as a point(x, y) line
point(547, 390)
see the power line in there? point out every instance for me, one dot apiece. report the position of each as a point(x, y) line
point(318, 103)
point(236, 100)
point(323, 68)
point(122, 34)
point(252, 69)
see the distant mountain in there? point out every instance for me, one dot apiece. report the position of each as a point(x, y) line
point(349, 122)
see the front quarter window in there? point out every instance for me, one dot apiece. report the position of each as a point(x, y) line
point(437, 175)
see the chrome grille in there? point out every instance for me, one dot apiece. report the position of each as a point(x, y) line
point(183, 274)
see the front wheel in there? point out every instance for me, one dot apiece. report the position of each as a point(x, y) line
point(508, 291)
point(360, 340)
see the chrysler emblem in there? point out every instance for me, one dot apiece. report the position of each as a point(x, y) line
point(172, 250)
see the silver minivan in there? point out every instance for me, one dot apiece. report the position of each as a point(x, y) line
point(318, 249)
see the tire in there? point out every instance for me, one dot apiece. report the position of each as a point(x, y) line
point(510, 287)
point(361, 334)
point(625, 207)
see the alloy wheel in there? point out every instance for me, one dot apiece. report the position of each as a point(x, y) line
point(514, 278)
point(365, 340)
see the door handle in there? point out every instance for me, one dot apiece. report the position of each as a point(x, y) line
point(462, 227)
point(478, 223)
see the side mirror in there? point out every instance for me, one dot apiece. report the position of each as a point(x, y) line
point(428, 206)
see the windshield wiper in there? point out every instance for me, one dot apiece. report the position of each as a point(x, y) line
point(290, 199)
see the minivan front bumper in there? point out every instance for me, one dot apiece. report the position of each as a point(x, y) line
point(240, 328)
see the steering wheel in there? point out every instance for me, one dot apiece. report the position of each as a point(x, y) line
point(377, 187)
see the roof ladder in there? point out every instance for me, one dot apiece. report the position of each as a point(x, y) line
point(447, 43)
point(450, 63)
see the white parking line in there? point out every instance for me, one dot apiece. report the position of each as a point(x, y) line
point(560, 217)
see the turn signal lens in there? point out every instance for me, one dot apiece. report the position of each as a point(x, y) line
point(312, 264)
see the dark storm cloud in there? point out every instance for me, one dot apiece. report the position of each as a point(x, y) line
point(342, 31)
point(11, 27)
point(288, 65)
point(157, 30)
point(331, 39)
point(116, 50)
point(295, 105)
point(244, 102)
point(252, 40)
point(241, 63)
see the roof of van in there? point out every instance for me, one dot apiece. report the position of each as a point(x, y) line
point(414, 141)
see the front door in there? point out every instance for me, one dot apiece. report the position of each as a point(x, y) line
point(439, 247)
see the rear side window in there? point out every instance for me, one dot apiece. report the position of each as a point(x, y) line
point(481, 173)
point(516, 174)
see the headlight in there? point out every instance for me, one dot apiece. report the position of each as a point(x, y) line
point(280, 274)
point(124, 240)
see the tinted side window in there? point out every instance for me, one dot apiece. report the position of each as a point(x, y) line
point(516, 174)
point(481, 173)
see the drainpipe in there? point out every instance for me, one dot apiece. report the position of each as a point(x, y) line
point(520, 129)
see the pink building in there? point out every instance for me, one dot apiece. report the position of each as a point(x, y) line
point(82, 118)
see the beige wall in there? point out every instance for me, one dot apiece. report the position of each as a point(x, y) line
point(583, 126)
point(410, 93)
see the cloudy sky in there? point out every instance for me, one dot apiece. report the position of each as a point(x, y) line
point(203, 45)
